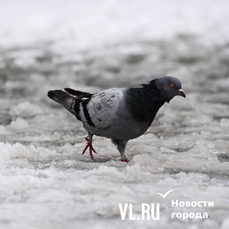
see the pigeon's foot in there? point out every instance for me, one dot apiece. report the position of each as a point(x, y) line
point(89, 144)
point(124, 158)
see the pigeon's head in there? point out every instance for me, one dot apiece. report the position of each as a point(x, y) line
point(169, 87)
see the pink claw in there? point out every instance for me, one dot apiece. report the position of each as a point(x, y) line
point(125, 159)
point(89, 144)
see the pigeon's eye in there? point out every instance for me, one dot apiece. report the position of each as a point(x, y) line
point(172, 85)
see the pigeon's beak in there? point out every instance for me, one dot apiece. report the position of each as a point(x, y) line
point(181, 93)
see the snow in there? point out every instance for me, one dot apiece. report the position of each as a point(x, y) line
point(77, 24)
point(45, 181)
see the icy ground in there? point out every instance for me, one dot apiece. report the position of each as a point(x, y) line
point(45, 181)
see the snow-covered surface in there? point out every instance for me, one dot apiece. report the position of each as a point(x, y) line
point(45, 181)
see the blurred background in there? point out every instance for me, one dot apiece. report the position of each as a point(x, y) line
point(109, 43)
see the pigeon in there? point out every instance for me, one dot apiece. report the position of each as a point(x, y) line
point(120, 114)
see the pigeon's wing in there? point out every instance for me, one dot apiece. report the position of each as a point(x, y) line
point(79, 94)
point(99, 111)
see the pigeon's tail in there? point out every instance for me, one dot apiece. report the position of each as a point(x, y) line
point(63, 98)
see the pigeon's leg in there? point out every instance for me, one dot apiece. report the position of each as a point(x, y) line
point(89, 144)
point(121, 148)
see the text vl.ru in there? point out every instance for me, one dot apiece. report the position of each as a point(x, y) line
point(148, 211)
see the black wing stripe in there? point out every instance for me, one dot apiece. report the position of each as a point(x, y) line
point(76, 108)
point(86, 114)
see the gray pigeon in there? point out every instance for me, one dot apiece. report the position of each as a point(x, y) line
point(119, 113)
